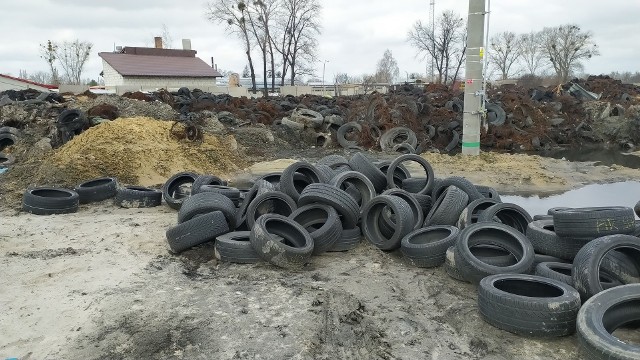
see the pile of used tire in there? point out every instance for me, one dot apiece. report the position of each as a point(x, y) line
point(542, 276)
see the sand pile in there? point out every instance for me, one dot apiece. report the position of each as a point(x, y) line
point(137, 151)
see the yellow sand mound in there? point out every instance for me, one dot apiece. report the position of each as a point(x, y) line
point(139, 151)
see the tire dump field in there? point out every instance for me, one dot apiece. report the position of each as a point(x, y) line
point(196, 226)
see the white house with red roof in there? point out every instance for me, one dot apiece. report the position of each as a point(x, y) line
point(13, 83)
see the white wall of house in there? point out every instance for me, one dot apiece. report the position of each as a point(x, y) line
point(10, 84)
point(111, 77)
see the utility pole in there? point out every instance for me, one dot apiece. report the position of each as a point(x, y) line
point(473, 88)
point(432, 19)
point(324, 66)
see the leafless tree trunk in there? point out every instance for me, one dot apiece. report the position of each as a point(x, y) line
point(48, 52)
point(167, 39)
point(566, 47)
point(298, 29)
point(72, 57)
point(442, 45)
point(532, 53)
point(505, 52)
point(232, 13)
point(461, 56)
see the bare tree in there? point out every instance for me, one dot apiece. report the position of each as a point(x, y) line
point(41, 77)
point(260, 17)
point(387, 69)
point(295, 37)
point(532, 53)
point(567, 46)
point(167, 39)
point(505, 52)
point(443, 45)
point(22, 74)
point(72, 56)
point(49, 52)
point(233, 14)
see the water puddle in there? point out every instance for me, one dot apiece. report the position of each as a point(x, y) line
point(596, 156)
point(614, 194)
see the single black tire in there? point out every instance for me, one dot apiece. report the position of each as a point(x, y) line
point(427, 247)
point(471, 213)
point(235, 247)
point(287, 179)
point(601, 315)
point(171, 186)
point(401, 172)
point(388, 139)
point(7, 140)
point(196, 231)
point(499, 117)
point(556, 271)
point(71, 119)
point(323, 224)
point(416, 208)
point(349, 240)
point(273, 178)
point(587, 263)
point(489, 233)
point(9, 130)
point(207, 202)
point(261, 186)
point(334, 161)
point(50, 201)
point(459, 182)
point(509, 214)
point(415, 158)
point(228, 191)
point(413, 184)
point(344, 204)
point(97, 190)
point(370, 221)
point(137, 197)
point(358, 181)
point(359, 162)
point(206, 180)
point(281, 241)
point(455, 141)
point(542, 235)
point(6, 160)
point(528, 305)
point(447, 208)
point(326, 172)
point(271, 202)
point(593, 222)
point(342, 132)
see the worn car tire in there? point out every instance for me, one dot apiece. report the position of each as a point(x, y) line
point(509, 214)
point(137, 197)
point(471, 213)
point(207, 202)
point(489, 233)
point(50, 201)
point(424, 164)
point(359, 162)
point(97, 190)
point(171, 186)
point(206, 180)
point(459, 182)
point(359, 182)
point(322, 223)
point(310, 175)
point(587, 263)
point(196, 231)
point(601, 315)
point(488, 192)
point(592, 222)
point(235, 247)
point(528, 305)
point(447, 208)
point(349, 240)
point(416, 208)
point(370, 221)
point(281, 241)
point(427, 247)
point(542, 235)
point(344, 204)
point(342, 133)
point(271, 202)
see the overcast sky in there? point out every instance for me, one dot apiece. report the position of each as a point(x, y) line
point(355, 33)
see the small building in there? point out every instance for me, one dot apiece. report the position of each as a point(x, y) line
point(13, 83)
point(141, 68)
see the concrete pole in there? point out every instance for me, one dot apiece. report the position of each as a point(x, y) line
point(473, 92)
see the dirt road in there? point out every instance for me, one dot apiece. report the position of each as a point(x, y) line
point(100, 284)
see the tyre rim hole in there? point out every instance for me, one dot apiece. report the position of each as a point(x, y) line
point(528, 288)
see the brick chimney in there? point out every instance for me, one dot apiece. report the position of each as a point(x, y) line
point(158, 41)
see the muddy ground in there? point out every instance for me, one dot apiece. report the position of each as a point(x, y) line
point(101, 284)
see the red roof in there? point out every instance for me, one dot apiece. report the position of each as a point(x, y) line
point(29, 82)
point(159, 62)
